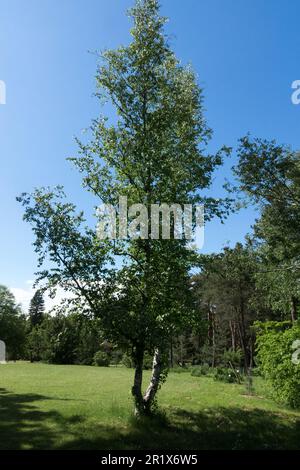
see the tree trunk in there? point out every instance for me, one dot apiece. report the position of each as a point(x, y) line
point(241, 329)
point(293, 309)
point(171, 353)
point(213, 343)
point(251, 353)
point(232, 331)
point(138, 380)
point(144, 404)
point(243, 334)
point(149, 396)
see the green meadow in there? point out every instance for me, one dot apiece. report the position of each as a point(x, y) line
point(79, 407)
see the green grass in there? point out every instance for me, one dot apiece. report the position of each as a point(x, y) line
point(77, 407)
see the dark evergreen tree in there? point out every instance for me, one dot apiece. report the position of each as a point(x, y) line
point(37, 308)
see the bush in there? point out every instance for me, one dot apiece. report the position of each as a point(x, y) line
point(179, 370)
point(256, 372)
point(127, 361)
point(198, 371)
point(148, 361)
point(228, 375)
point(116, 357)
point(232, 358)
point(275, 348)
point(101, 359)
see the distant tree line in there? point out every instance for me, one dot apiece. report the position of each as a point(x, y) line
point(227, 298)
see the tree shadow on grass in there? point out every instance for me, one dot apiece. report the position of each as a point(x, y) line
point(236, 428)
point(213, 429)
point(23, 425)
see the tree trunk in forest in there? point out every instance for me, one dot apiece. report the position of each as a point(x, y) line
point(232, 330)
point(293, 309)
point(213, 343)
point(181, 351)
point(149, 396)
point(251, 353)
point(243, 344)
point(211, 334)
point(243, 334)
point(171, 353)
point(213, 338)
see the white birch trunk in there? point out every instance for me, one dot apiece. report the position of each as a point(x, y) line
point(154, 382)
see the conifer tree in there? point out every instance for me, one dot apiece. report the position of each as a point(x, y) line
point(37, 308)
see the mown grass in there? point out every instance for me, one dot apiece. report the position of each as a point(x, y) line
point(77, 407)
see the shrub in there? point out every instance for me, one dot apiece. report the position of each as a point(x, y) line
point(179, 370)
point(274, 348)
point(197, 371)
point(101, 359)
point(232, 358)
point(148, 361)
point(228, 375)
point(116, 357)
point(127, 361)
point(256, 372)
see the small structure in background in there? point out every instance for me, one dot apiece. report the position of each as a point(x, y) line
point(2, 352)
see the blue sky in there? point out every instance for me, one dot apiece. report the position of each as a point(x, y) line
point(246, 54)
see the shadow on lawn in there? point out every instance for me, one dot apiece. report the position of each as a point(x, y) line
point(216, 428)
point(23, 425)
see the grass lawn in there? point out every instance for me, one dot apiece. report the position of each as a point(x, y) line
point(77, 407)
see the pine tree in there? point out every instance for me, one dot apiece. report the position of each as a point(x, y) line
point(37, 308)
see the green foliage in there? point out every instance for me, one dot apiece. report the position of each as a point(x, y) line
point(89, 336)
point(12, 324)
point(180, 370)
point(274, 352)
point(155, 152)
point(37, 308)
point(232, 358)
point(228, 375)
point(101, 359)
point(225, 291)
point(256, 371)
point(268, 174)
point(37, 344)
point(148, 361)
point(127, 361)
point(116, 356)
point(64, 339)
point(198, 371)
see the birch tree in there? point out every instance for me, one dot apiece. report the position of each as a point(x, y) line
point(153, 152)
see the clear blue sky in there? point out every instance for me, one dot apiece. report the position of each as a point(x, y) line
point(246, 53)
